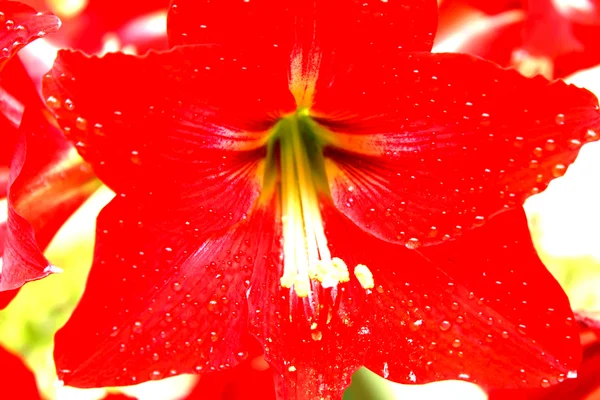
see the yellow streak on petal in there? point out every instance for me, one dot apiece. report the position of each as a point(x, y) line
point(303, 76)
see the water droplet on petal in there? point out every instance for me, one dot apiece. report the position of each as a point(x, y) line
point(53, 102)
point(574, 144)
point(135, 157)
point(69, 106)
point(137, 327)
point(176, 286)
point(559, 170)
point(445, 325)
point(81, 123)
point(154, 375)
point(545, 383)
point(413, 243)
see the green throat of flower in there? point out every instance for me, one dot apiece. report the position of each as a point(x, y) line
point(296, 170)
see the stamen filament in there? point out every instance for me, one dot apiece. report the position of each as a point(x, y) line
point(308, 263)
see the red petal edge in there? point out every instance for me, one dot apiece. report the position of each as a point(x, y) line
point(48, 182)
point(22, 24)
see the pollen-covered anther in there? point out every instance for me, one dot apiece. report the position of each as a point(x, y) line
point(330, 273)
point(364, 276)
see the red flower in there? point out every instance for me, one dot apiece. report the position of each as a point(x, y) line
point(41, 176)
point(550, 37)
point(311, 174)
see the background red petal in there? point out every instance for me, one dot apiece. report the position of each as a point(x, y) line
point(22, 24)
point(48, 182)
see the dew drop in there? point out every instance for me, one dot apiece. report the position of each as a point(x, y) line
point(445, 325)
point(137, 327)
point(135, 157)
point(176, 286)
point(69, 106)
point(81, 123)
point(560, 119)
point(479, 221)
point(53, 102)
point(214, 336)
point(545, 383)
point(505, 334)
point(456, 344)
point(574, 144)
point(550, 145)
point(591, 135)
point(155, 357)
point(154, 375)
point(559, 170)
point(416, 325)
point(413, 243)
point(98, 129)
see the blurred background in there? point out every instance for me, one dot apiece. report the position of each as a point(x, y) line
point(557, 39)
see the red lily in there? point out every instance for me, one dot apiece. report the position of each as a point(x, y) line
point(41, 176)
point(313, 175)
point(540, 36)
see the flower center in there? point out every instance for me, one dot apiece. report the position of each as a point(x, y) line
point(308, 262)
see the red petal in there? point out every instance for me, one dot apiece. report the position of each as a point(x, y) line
point(494, 38)
point(321, 38)
point(22, 24)
point(159, 301)
point(18, 382)
point(88, 30)
point(16, 90)
point(584, 386)
point(236, 383)
point(547, 32)
point(183, 125)
point(482, 308)
point(440, 143)
point(48, 182)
